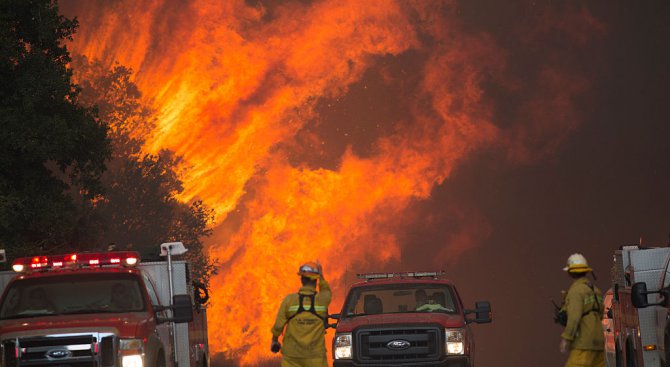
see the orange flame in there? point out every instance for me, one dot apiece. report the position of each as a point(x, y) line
point(233, 85)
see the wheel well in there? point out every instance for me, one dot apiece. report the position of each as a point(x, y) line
point(631, 356)
point(160, 358)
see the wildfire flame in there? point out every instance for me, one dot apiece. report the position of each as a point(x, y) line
point(238, 88)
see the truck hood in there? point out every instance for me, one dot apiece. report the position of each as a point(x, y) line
point(126, 324)
point(446, 320)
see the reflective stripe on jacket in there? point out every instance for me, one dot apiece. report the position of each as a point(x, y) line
point(585, 312)
point(304, 333)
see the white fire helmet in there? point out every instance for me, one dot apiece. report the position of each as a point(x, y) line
point(577, 264)
point(309, 270)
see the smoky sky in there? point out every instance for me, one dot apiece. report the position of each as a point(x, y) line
point(605, 185)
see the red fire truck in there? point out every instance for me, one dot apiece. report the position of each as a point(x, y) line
point(102, 309)
point(406, 319)
point(641, 333)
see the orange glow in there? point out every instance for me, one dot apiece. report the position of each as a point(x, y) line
point(232, 84)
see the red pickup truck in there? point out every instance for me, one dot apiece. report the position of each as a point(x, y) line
point(101, 309)
point(406, 319)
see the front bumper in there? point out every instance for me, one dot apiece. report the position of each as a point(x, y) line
point(457, 361)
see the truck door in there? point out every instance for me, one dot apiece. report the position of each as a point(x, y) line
point(162, 329)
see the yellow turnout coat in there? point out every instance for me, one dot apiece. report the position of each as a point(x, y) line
point(584, 305)
point(304, 337)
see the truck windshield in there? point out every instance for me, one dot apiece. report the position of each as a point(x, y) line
point(72, 294)
point(400, 298)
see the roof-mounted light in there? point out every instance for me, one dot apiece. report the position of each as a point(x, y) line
point(120, 258)
point(409, 274)
point(132, 261)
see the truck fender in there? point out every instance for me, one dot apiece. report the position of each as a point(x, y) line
point(154, 349)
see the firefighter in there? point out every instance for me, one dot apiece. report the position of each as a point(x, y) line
point(305, 316)
point(583, 336)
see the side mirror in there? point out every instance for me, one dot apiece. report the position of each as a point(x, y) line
point(334, 316)
point(182, 308)
point(638, 295)
point(639, 292)
point(482, 313)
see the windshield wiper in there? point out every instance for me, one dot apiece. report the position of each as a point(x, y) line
point(26, 316)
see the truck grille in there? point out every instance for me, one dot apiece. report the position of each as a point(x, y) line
point(68, 350)
point(402, 344)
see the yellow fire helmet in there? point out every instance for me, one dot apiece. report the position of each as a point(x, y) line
point(310, 270)
point(577, 264)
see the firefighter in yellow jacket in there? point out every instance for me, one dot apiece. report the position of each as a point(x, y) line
point(583, 336)
point(305, 315)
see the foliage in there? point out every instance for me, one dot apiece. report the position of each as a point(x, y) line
point(55, 194)
point(139, 209)
point(50, 144)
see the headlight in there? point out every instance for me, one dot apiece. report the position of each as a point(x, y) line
point(342, 346)
point(454, 341)
point(132, 361)
point(132, 352)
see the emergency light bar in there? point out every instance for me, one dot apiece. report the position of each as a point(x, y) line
point(409, 274)
point(125, 258)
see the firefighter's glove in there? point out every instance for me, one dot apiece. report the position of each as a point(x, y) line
point(275, 347)
point(564, 346)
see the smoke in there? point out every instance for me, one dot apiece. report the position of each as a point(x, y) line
point(317, 129)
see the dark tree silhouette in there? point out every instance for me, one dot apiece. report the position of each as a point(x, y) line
point(53, 150)
point(138, 209)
